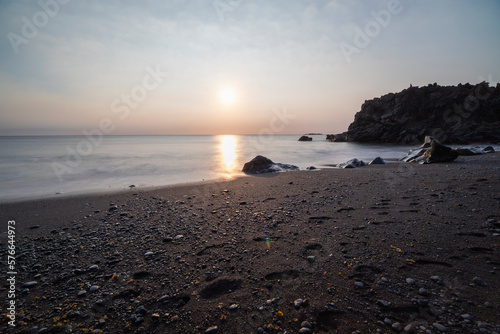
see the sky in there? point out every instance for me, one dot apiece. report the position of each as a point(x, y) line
point(127, 67)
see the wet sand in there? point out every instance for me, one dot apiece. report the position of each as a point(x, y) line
point(378, 248)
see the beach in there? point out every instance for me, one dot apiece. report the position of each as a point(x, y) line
point(400, 247)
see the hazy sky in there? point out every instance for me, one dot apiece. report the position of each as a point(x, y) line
point(160, 67)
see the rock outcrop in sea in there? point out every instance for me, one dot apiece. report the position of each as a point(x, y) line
point(305, 138)
point(452, 114)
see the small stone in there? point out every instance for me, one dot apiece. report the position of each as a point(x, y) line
point(383, 303)
point(155, 316)
point(436, 279)
point(409, 328)
point(94, 288)
point(359, 285)
point(423, 302)
point(423, 292)
point(141, 310)
point(82, 293)
point(311, 259)
point(410, 281)
point(149, 254)
point(233, 307)
point(298, 302)
point(479, 281)
point(178, 237)
point(212, 330)
point(397, 327)
point(93, 267)
point(466, 316)
point(388, 321)
point(306, 324)
point(440, 327)
point(305, 330)
point(30, 284)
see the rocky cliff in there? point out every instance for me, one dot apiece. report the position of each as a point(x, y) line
point(452, 114)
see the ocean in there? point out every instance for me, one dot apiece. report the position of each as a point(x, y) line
point(48, 166)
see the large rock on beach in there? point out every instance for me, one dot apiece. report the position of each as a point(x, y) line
point(431, 151)
point(260, 164)
point(453, 114)
point(439, 153)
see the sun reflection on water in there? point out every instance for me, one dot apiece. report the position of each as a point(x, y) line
point(228, 145)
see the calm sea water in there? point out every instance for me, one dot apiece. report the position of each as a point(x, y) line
point(35, 167)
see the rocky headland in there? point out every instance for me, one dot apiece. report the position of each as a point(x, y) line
point(452, 114)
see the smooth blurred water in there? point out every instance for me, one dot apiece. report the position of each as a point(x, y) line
point(29, 166)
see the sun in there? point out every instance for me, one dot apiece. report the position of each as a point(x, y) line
point(227, 96)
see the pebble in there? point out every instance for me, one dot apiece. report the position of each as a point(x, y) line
point(436, 279)
point(82, 293)
point(397, 327)
point(148, 254)
point(410, 281)
point(93, 267)
point(423, 292)
point(409, 328)
point(440, 327)
point(466, 316)
point(359, 285)
point(387, 321)
point(178, 237)
point(298, 302)
point(479, 281)
point(305, 330)
point(212, 330)
point(311, 259)
point(141, 310)
point(30, 284)
point(383, 303)
point(306, 324)
point(94, 288)
point(233, 307)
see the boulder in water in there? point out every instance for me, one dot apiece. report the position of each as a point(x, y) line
point(414, 155)
point(475, 150)
point(378, 161)
point(353, 163)
point(305, 138)
point(260, 164)
point(488, 149)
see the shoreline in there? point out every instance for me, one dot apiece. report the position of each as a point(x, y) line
point(239, 255)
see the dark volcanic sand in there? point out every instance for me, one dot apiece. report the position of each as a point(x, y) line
point(328, 231)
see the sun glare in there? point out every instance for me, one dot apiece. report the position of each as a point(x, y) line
point(228, 146)
point(227, 96)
